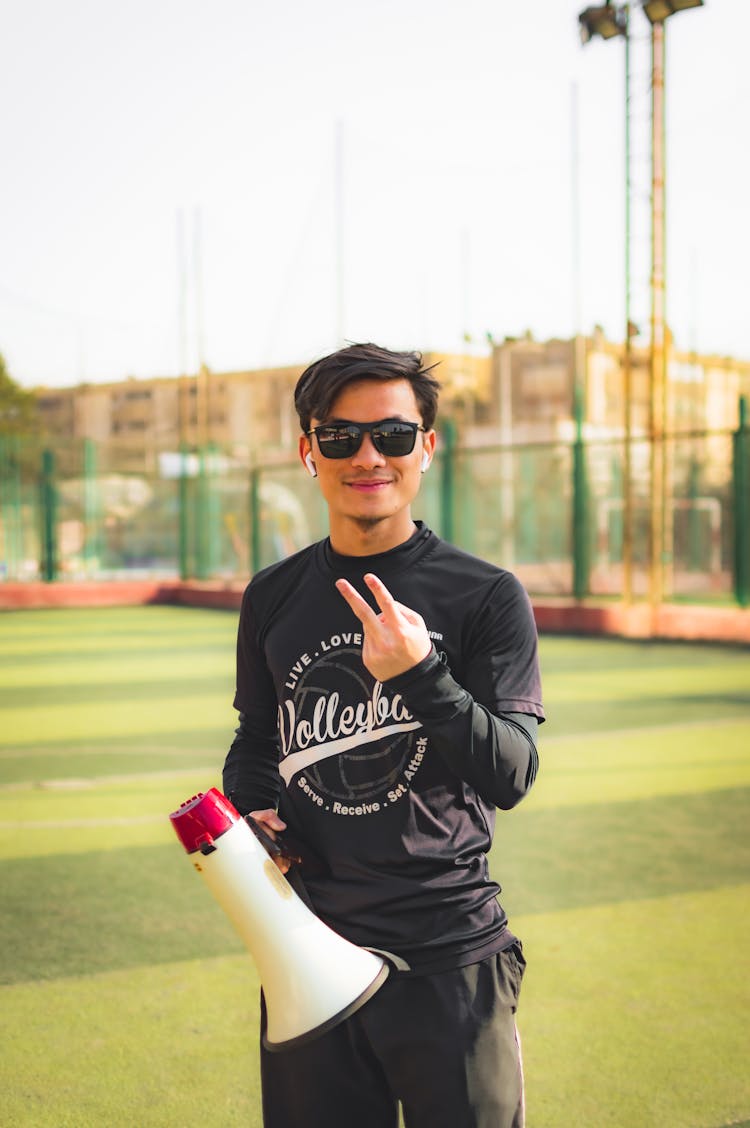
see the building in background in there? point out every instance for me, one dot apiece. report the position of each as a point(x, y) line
point(519, 392)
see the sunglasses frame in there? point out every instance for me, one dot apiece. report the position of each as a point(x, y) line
point(365, 429)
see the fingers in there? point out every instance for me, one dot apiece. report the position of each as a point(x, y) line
point(269, 820)
point(361, 608)
point(394, 640)
point(385, 600)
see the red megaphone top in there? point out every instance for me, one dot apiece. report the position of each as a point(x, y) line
point(203, 818)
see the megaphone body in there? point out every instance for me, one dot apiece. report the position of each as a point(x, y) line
point(312, 978)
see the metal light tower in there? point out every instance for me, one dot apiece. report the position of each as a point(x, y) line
point(610, 20)
point(657, 11)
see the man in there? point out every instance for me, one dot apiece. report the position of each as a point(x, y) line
point(389, 695)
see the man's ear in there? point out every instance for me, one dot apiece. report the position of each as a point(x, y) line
point(305, 453)
point(429, 439)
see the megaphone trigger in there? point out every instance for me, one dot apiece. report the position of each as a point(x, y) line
point(277, 847)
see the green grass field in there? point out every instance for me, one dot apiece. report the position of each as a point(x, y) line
point(127, 1000)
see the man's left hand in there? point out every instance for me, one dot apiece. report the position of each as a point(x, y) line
point(396, 639)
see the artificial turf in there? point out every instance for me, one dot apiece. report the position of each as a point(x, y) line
point(127, 998)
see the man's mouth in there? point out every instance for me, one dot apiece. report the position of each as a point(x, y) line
point(368, 485)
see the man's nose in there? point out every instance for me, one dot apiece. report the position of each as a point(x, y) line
point(367, 455)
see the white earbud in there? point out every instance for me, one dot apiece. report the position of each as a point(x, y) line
point(310, 466)
point(425, 461)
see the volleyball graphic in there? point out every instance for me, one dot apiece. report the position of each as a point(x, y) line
point(369, 768)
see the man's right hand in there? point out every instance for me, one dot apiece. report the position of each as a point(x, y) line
point(270, 822)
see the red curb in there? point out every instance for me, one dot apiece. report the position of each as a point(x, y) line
point(689, 622)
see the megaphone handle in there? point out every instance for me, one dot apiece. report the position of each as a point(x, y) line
point(276, 847)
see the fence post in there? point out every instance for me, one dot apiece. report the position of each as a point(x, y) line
point(91, 546)
point(447, 479)
point(581, 540)
point(741, 474)
point(48, 501)
point(255, 554)
point(184, 525)
point(213, 510)
point(202, 518)
point(10, 507)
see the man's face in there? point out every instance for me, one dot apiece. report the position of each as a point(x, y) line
point(368, 488)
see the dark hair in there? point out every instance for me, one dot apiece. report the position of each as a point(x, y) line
point(321, 382)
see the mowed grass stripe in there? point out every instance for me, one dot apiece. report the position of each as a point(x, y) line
point(197, 711)
point(623, 766)
point(107, 910)
point(673, 682)
point(104, 685)
point(552, 859)
point(634, 1014)
point(128, 797)
point(103, 826)
point(39, 773)
point(599, 685)
point(108, 622)
point(76, 650)
point(603, 716)
point(581, 655)
point(16, 648)
point(114, 667)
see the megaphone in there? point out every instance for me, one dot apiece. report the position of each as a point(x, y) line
point(312, 978)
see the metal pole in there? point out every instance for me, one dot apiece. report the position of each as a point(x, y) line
point(182, 400)
point(11, 519)
point(201, 518)
point(447, 482)
point(213, 511)
point(627, 529)
point(184, 526)
point(507, 456)
point(49, 517)
point(580, 506)
point(657, 374)
point(741, 469)
point(575, 217)
point(339, 234)
point(90, 508)
point(255, 552)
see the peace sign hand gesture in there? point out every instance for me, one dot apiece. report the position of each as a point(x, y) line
point(396, 639)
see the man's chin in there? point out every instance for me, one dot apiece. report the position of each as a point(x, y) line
point(369, 522)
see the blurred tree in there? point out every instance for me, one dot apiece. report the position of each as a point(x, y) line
point(18, 410)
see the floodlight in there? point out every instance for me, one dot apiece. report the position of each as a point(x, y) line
point(658, 10)
point(604, 20)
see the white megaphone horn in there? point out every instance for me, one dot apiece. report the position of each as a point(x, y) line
point(312, 978)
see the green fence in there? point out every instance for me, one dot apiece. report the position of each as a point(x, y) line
point(553, 512)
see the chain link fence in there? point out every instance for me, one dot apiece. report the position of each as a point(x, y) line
point(557, 514)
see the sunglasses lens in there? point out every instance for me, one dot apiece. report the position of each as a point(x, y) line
point(394, 439)
point(338, 442)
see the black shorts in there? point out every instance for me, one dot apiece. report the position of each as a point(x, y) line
point(445, 1046)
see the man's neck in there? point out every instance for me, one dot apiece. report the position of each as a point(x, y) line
point(368, 538)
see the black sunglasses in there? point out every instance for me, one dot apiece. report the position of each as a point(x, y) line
point(390, 437)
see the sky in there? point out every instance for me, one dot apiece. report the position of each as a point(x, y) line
point(248, 184)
